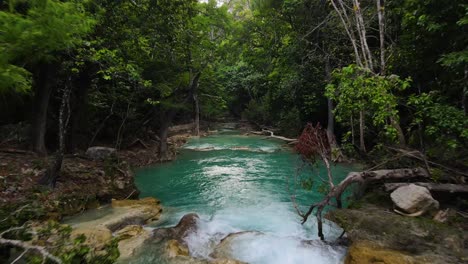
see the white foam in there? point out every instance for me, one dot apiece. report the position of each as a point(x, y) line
point(278, 236)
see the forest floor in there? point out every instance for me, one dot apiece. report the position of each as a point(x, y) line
point(83, 183)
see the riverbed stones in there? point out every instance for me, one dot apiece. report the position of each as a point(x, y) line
point(413, 199)
point(100, 153)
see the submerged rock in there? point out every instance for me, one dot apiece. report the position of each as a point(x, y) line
point(414, 199)
point(224, 249)
point(100, 153)
point(186, 225)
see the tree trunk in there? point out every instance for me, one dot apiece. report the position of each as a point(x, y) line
point(42, 92)
point(197, 115)
point(381, 15)
point(465, 92)
point(362, 144)
point(330, 107)
point(348, 28)
point(401, 135)
point(166, 120)
point(51, 175)
point(81, 95)
point(361, 28)
point(196, 102)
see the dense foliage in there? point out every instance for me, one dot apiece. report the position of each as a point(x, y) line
point(136, 67)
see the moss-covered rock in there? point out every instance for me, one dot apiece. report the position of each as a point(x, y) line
point(365, 252)
point(390, 233)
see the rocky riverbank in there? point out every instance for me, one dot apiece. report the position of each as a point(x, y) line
point(380, 235)
point(88, 180)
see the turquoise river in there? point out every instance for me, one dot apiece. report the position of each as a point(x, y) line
point(241, 183)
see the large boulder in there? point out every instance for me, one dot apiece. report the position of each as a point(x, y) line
point(413, 199)
point(186, 225)
point(100, 153)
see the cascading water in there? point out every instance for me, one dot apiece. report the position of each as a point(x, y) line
point(239, 183)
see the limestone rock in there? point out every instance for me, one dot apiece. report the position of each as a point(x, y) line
point(136, 212)
point(148, 201)
point(131, 239)
point(174, 249)
point(226, 261)
point(413, 199)
point(224, 249)
point(96, 237)
point(367, 253)
point(129, 232)
point(100, 153)
point(186, 225)
point(430, 241)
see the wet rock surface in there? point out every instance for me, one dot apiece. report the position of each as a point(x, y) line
point(398, 239)
point(131, 238)
point(125, 219)
point(186, 225)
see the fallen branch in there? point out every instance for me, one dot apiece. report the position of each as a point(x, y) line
point(139, 141)
point(27, 246)
point(437, 187)
point(419, 156)
point(17, 151)
point(359, 177)
point(272, 135)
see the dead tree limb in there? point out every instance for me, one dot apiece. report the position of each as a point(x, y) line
point(437, 187)
point(27, 247)
point(272, 135)
point(359, 177)
point(17, 151)
point(419, 156)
